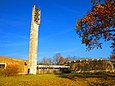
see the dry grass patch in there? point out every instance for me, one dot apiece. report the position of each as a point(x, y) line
point(39, 80)
point(55, 80)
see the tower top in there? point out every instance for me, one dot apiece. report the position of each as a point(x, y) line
point(36, 14)
point(34, 6)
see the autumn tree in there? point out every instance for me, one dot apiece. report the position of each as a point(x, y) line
point(61, 60)
point(58, 59)
point(112, 57)
point(113, 54)
point(98, 24)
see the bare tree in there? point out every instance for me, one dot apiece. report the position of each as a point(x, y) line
point(46, 61)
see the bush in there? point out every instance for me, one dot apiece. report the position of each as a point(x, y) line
point(93, 66)
point(12, 70)
point(2, 71)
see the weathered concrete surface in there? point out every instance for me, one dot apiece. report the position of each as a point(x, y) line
point(33, 48)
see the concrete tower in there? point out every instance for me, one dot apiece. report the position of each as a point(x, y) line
point(33, 47)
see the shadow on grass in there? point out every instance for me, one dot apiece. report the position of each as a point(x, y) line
point(89, 75)
point(101, 79)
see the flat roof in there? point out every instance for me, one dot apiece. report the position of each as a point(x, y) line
point(53, 66)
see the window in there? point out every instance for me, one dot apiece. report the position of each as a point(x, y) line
point(25, 63)
point(2, 65)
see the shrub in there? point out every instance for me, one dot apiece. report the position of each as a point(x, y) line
point(12, 70)
point(2, 71)
point(92, 66)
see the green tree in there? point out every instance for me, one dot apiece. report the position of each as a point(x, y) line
point(98, 24)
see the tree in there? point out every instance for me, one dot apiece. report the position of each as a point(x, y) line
point(55, 58)
point(99, 23)
point(72, 58)
point(46, 61)
point(112, 56)
point(61, 60)
point(58, 59)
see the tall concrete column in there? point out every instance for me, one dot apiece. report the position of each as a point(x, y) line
point(33, 46)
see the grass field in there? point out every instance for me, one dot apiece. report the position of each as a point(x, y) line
point(55, 80)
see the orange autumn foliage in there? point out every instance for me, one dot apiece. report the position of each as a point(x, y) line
point(99, 23)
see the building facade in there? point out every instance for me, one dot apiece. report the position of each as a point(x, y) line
point(22, 65)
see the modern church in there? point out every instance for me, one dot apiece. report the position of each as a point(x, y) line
point(30, 66)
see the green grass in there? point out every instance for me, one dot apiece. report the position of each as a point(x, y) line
point(54, 80)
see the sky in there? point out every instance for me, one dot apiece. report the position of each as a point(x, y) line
point(56, 31)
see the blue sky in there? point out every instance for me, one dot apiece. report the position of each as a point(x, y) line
point(56, 32)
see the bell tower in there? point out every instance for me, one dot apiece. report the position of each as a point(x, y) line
point(33, 45)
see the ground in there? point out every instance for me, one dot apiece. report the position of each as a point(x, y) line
point(55, 80)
